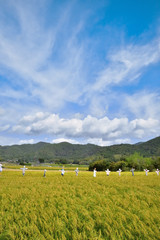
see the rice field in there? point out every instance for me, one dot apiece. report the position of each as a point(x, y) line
point(37, 208)
point(47, 167)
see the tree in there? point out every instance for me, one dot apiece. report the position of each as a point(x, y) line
point(114, 166)
point(41, 160)
point(99, 165)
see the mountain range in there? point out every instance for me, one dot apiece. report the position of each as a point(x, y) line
point(76, 152)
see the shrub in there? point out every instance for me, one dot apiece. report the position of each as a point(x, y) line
point(99, 165)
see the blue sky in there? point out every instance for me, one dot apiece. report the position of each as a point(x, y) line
point(79, 71)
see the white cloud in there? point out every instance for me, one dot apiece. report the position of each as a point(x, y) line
point(143, 104)
point(11, 93)
point(127, 64)
point(32, 118)
point(27, 141)
point(102, 131)
point(59, 140)
point(98, 105)
point(2, 111)
point(7, 140)
point(103, 127)
point(101, 142)
point(4, 128)
point(51, 74)
point(51, 124)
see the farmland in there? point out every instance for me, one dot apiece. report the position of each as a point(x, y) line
point(68, 167)
point(83, 207)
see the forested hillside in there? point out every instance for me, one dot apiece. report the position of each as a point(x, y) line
point(75, 153)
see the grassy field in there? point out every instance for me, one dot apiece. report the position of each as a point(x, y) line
point(49, 167)
point(83, 207)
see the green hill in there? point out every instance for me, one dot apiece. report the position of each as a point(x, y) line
point(76, 152)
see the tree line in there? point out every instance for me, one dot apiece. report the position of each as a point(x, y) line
point(135, 160)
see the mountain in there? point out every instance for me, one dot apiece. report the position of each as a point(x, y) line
point(138, 143)
point(76, 152)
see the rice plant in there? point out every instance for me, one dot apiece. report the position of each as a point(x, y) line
point(79, 207)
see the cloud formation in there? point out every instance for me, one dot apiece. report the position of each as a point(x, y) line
point(92, 129)
point(127, 64)
point(51, 69)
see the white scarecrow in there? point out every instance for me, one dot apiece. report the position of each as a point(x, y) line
point(119, 172)
point(44, 175)
point(76, 171)
point(107, 172)
point(23, 170)
point(0, 167)
point(157, 171)
point(146, 171)
point(62, 172)
point(132, 170)
point(94, 172)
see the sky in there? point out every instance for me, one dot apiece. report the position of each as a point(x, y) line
point(79, 71)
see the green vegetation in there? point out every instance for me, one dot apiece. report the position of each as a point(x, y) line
point(135, 160)
point(78, 154)
point(79, 208)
